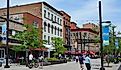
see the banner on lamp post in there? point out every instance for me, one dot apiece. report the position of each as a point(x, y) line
point(4, 26)
point(105, 34)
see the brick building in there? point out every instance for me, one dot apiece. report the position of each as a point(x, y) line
point(82, 39)
point(48, 19)
point(66, 29)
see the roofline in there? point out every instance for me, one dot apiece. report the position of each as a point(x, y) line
point(84, 29)
point(45, 3)
point(65, 13)
point(73, 22)
point(35, 3)
point(21, 5)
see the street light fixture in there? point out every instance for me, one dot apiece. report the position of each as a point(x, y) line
point(7, 34)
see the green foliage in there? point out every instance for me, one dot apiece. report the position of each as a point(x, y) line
point(29, 38)
point(58, 44)
point(52, 59)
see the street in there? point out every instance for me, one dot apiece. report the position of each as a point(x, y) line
point(95, 63)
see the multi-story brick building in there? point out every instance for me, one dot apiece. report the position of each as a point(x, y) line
point(50, 19)
point(66, 29)
point(82, 39)
point(18, 19)
point(91, 26)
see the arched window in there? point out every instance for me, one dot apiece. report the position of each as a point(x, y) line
point(52, 29)
point(45, 24)
point(58, 31)
point(55, 30)
point(48, 28)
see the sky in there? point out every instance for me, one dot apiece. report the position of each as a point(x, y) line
point(81, 11)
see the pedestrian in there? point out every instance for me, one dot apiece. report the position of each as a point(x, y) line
point(76, 58)
point(81, 61)
point(30, 57)
point(88, 62)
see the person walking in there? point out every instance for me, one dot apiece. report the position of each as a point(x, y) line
point(30, 58)
point(88, 62)
point(81, 59)
point(77, 59)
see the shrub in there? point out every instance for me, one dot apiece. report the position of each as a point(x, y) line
point(52, 59)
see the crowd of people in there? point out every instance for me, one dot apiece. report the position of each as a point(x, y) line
point(84, 59)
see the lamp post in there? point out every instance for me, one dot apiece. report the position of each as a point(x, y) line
point(7, 34)
point(101, 40)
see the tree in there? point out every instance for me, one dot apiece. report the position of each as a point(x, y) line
point(58, 44)
point(30, 38)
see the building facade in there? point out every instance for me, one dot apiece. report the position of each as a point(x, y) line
point(48, 19)
point(66, 30)
point(16, 25)
point(83, 39)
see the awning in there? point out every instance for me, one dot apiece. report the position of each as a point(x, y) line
point(50, 47)
point(39, 49)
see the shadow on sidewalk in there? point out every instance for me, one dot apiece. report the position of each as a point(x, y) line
point(119, 68)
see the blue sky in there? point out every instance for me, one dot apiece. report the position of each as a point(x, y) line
point(82, 11)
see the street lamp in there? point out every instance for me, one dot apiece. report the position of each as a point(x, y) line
point(7, 34)
point(101, 39)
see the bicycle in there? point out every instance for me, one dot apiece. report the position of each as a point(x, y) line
point(34, 63)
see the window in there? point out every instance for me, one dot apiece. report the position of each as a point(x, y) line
point(55, 18)
point(44, 37)
point(48, 39)
point(58, 31)
point(48, 28)
point(52, 29)
point(52, 17)
point(60, 22)
point(44, 13)
point(55, 30)
point(49, 15)
point(45, 26)
point(35, 24)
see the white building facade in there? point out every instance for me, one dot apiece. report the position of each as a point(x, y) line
point(52, 25)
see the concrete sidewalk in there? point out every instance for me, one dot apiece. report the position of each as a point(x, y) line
point(95, 65)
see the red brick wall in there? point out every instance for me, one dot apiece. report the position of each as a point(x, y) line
point(35, 9)
point(73, 25)
point(66, 22)
point(29, 19)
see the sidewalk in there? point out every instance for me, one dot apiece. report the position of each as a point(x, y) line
point(95, 64)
